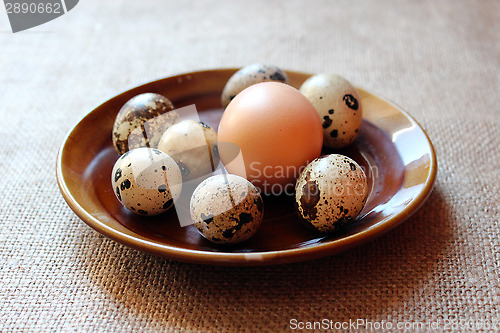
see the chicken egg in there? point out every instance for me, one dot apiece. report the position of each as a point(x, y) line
point(278, 132)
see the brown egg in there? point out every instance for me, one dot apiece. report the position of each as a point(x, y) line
point(278, 131)
point(142, 121)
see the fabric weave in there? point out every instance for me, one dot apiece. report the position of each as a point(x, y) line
point(439, 60)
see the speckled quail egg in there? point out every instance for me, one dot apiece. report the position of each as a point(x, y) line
point(330, 192)
point(146, 181)
point(338, 106)
point(142, 121)
point(193, 145)
point(248, 76)
point(226, 209)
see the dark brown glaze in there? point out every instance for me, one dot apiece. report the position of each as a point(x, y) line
point(281, 228)
point(87, 156)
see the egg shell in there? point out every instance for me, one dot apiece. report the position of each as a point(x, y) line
point(193, 146)
point(146, 181)
point(330, 192)
point(338, 105)
point(142, 121)
point(248, 76)
point(226, 209)
point(278, 131)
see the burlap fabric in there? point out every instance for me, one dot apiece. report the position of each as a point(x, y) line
point(440, 60)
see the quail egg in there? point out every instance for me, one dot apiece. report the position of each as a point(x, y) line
point(193, 146)
point(146, 181)
point(330, 192)
point(142, 121)
point(338, 105)
point(248, 76)
point(226, 209)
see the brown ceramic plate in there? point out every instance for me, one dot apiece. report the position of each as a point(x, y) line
point(395, 150)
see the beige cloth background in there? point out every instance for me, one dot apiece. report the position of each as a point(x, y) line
point(440, 60)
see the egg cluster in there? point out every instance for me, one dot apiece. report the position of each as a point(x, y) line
point(159, 151)
point(279, 131)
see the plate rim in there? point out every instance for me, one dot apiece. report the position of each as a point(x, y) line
point(259, 258)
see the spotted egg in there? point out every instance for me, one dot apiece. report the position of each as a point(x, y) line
point(193, 145)
point(338, 105)
point(146, 181)
point(330, 192)
point(142, 121)
point(251, 75)
point(226, 209)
